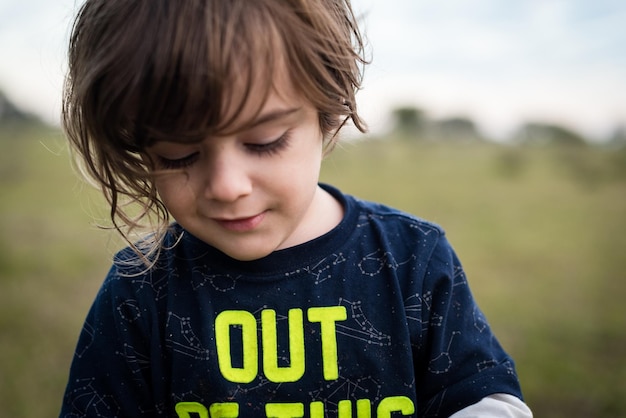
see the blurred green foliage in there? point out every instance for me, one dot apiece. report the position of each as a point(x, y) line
point(541, 231)
point(52, 259)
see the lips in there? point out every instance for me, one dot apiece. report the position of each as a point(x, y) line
point(241, 224)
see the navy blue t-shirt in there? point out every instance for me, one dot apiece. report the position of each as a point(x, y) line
point(373, 319)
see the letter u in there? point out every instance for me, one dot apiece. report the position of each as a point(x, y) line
point(271, 369)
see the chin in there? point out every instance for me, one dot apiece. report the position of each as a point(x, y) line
point(251, 255)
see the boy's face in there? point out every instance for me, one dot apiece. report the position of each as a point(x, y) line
point(253, 192)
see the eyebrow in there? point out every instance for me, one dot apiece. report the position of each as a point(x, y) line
point(273, 116)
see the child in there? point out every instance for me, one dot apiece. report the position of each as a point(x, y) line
point(269, 295)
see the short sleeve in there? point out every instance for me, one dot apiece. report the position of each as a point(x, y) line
point(461, 361)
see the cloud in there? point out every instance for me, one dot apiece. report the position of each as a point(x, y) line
point(32, 47)
point(501, 62)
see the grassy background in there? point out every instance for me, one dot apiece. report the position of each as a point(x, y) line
point(541, 232)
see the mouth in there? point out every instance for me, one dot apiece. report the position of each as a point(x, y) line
point(244, 224)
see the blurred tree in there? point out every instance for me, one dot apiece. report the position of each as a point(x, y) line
point(408, 122)
point(545, 133)
point(618, 139)
point(12, 115)
point(457, 128)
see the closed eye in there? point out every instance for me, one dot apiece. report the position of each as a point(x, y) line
point(178, 163)
point(270, 148)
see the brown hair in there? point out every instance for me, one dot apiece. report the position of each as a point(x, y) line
point(147, 70)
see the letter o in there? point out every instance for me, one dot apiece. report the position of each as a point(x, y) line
point(223, 323)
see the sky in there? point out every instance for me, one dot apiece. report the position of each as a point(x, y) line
point(499, 63)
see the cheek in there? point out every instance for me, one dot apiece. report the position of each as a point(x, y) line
point(175, 192)
point(301, 174)
point(302, 178)
point(308, 161)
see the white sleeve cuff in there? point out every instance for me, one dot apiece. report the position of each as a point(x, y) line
point(499, 405)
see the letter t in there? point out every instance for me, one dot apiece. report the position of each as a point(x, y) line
point(327, 317)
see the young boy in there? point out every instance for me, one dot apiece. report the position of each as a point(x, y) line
point(270, 295)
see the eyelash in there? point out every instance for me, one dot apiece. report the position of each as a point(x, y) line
point(271, 148)
point(262, 150)
point(179, 163)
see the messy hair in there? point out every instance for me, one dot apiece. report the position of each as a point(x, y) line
point(141, 71)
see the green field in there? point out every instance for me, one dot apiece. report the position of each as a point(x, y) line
point(541, 232)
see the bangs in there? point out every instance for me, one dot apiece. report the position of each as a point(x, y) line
point(181, 69)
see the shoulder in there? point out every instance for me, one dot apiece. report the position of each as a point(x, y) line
point(397, 225)
point(391, 215)
point(380, 213)
point(137, 267)
point(385, 228)
point(147, 255)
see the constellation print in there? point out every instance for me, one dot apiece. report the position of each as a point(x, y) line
point(137, 361)
point(220, 282)
point(182, 339)
point(486, 364)
point(129, 310)
point(423, 228)
point(159, 408)
point(367, 332)
point(510, 368)
point(480, 322)
point(262, 382)
point(188, 396)
point(129, 269)
point(345, 388)
point(373, 263)
point(413, 308)
point(86, 340)
point(443, 362)
point(158, 286)
point(321, 271)
point(459, 273)
point(364, 219)
point(436, 320)
point(413, 312)
point(94, 404)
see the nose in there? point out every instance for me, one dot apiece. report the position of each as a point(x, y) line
point(227, 179)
